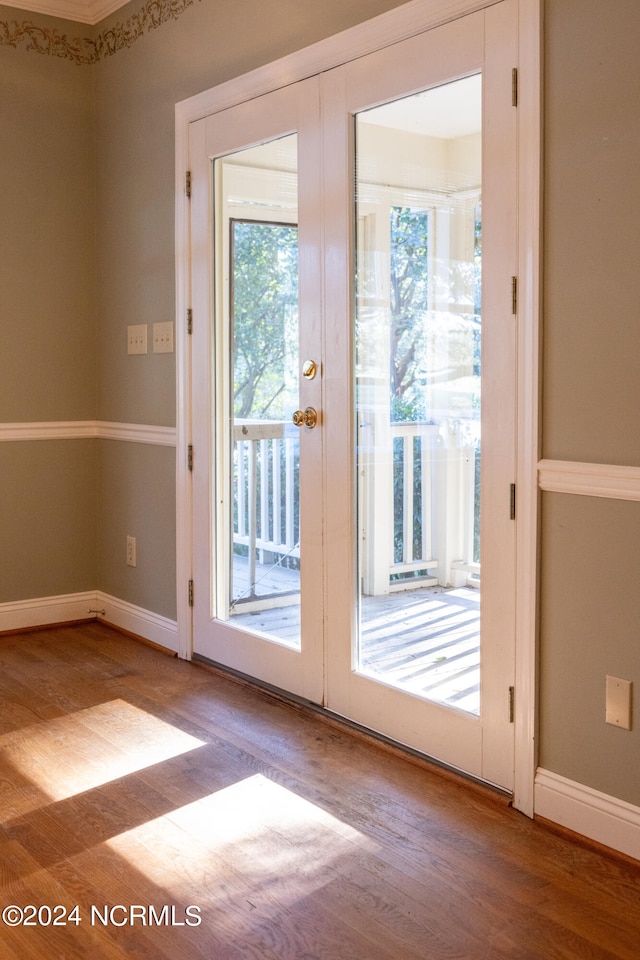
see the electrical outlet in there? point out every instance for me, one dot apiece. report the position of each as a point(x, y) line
point(132, 552)
point(618, 702)
point(163, 337)
point(137, 338)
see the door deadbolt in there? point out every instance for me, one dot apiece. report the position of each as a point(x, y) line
point(309, 369)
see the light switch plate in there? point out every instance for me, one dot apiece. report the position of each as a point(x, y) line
point(619, 702)
point(132, 550)
point(163, 337)
point(137, 338)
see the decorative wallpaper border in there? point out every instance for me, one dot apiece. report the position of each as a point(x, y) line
point(88, 50)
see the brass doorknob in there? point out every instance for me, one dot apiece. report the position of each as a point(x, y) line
point(307, 417)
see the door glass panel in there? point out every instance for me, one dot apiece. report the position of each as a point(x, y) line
point(417, 355)
point(257, 541)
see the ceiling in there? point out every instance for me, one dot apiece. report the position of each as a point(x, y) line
point(448, 111)
point(82, 11)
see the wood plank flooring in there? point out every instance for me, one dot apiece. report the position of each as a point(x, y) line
point(129, 779)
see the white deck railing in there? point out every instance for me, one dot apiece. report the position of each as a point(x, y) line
point(265, 481)
point(417, 495)
point(434, 501)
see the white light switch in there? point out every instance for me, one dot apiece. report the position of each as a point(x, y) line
point(137, 338)
point(619, 702)
point(163, 337)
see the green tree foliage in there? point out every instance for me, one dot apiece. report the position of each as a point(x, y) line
point(265, 315)
point(408, 306)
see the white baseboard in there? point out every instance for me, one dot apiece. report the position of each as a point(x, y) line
point(144, 623)
point(21, 614)
point(612, 822)
point(42, 611)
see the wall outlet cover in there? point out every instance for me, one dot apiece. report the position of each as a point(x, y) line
point(132, 550)
point(618, 702)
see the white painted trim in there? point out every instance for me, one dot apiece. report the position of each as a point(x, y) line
point(99, 9)
point(81, 11)
point(54, 430)
point(21, 614)
point(144, 623)
point(92, 604)
point(137, 433)
point(388, 28)
point(529, 274)
point(184, 495)
point(88, 429)
point(589, 479)
point(612, 822)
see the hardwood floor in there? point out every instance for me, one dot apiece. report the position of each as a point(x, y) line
point(129, 779)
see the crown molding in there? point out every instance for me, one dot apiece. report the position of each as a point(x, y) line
point(80, 11)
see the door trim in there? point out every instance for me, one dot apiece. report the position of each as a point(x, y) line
point(398, 24)
point(528, 397)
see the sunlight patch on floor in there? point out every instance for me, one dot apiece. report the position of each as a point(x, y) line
point(254, 842)
point(61, 757)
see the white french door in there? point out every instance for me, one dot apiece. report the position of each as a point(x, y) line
point(353, 245)
point(257, 274)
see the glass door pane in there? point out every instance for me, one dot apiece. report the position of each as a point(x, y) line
point(418, 396)
point(257, 361)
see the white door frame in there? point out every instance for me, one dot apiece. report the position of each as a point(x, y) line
point(399, 24)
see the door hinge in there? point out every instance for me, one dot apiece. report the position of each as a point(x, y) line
point(189, 321)
point(514, 87)
point(187, 183)
point(190, 458)
point(514, 295)
point(512, 502)
point(512, 703)
point(190, 593)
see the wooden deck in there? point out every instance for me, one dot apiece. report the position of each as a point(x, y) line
point(425, 641)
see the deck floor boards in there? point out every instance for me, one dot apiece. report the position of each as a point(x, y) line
point(426, 641)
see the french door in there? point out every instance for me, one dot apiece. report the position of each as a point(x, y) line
point(353, 246)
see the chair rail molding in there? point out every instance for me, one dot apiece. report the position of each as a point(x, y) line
point(589, 479)
point(88, 429)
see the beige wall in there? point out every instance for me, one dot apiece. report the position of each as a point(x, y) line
point(590, 602)
point(47, 518)
point(47, 229)
point(592, 212)
point(66, 507)
point(589, 628)
point(136, 497)
point(47, 322)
